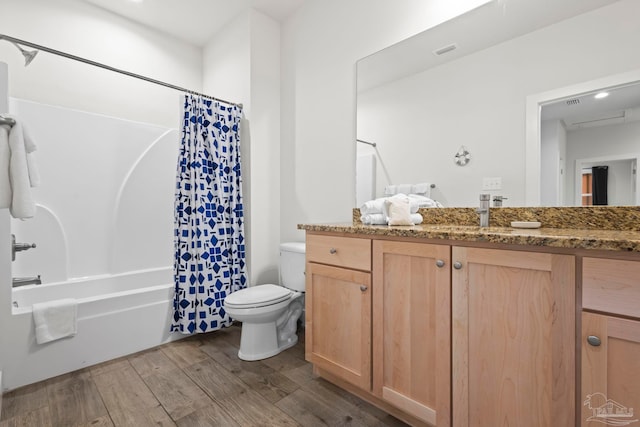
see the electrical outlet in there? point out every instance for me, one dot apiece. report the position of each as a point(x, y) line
point(494, 183)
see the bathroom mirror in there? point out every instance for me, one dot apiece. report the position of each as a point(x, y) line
point(473, 81)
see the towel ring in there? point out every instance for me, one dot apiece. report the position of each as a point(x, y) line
point(462, 157)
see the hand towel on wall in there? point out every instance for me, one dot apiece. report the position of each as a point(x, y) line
point(55, 319)
point(5, 155)
point(424, 202)
point(20, 173)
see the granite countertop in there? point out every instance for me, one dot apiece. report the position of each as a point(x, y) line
point(612, 240)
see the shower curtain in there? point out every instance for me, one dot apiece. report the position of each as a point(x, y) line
point(209, 226)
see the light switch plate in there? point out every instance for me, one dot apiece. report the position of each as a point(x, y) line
point(492, 183)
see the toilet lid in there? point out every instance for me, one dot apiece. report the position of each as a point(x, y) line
point(257, 296)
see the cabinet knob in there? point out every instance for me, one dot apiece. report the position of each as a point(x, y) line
point(594, 340)
point(457, 265)
point(332, 251)
point(363, 288)
point(439, 263)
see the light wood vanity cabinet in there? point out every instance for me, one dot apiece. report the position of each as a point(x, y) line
point(412, 328)
point(338, 307)
point(445, 335)
point(610, 386)
point(513, 338)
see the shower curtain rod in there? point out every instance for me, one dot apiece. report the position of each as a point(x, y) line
point(373, 144)
point(110, 68)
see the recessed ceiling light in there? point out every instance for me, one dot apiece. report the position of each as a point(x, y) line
point(601, 95)
point(136, 1)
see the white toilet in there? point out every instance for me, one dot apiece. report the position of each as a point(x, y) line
point(269, 313)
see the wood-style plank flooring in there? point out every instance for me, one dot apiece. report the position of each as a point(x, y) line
point(197, 381)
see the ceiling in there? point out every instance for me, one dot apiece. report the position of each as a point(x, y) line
point(194, 21)
point(487, 25)
point(580, 111)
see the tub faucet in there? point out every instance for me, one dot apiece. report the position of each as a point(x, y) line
point(24, 281)
point(483, 210)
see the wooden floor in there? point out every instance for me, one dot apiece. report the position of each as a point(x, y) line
point(197, 381)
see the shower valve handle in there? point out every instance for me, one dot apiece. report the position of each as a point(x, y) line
point(18, 247)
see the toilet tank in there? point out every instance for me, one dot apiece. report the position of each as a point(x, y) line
point(292, 261)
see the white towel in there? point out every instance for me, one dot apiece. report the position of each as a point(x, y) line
point(381, 219)
point(5, 155)
point(424, 202)
point(423, 188)
point(55, 319)
point(377, 206)
point(22, 172)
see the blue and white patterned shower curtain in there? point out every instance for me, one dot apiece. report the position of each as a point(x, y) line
point(209, 224)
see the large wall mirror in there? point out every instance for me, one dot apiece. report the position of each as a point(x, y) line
point(513, 83)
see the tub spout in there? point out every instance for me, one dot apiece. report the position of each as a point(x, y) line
point(24, 281)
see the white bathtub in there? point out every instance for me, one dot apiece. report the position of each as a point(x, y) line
point(117, 315)
point(129, 202)
point(101, 295)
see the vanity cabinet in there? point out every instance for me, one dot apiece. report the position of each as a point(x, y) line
point(610, 386)
point(445, 335)
point(338, 307)
point(513, 338)
point(412, 328)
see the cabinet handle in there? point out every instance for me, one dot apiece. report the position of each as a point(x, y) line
point(594, 340)
point(457, 265)
point(332, 251)
point(439, 263)
point(363, 288)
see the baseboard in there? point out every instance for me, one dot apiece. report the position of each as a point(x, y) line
point(1, 392)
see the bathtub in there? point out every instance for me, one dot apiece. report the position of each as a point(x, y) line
point(100, 295)
point(117, 315)
point(105, 239)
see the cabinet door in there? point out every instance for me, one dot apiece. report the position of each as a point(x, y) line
point(610, 370)
point(513, 338)
point(338, 322)
point(412, 328)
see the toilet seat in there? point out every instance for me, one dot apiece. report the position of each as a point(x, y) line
point(257, 296)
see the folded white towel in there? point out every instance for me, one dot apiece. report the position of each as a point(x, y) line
point(381, 219)
point(377, 206)
point(373, 219)
point(55, 319)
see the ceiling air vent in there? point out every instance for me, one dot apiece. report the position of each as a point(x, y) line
point(445, 49)
point(574, 101)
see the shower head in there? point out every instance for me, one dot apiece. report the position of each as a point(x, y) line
point(28, 54)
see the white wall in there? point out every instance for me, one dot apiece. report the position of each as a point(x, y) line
point(553, 147)
point(5, 243)
point(622, 140)
point(84, 30)
point(242, 64)
point(320, 46)
point(479, 101)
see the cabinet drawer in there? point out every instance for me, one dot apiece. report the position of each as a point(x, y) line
point(611, 286)
point(340, 251)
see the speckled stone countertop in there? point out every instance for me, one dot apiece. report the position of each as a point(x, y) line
point(596, 227)
point(611, 240)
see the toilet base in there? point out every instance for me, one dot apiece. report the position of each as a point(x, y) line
point(249, 355)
